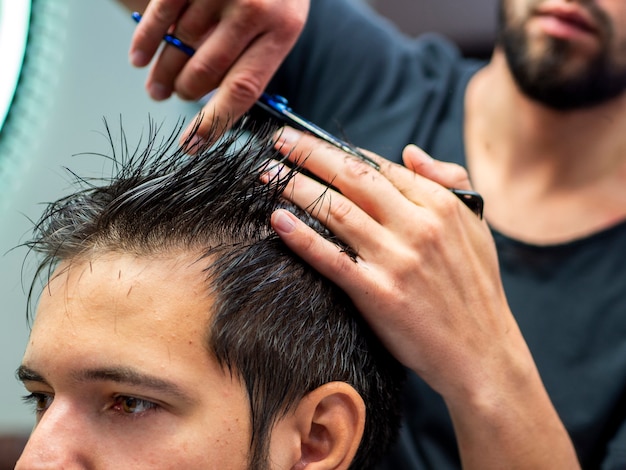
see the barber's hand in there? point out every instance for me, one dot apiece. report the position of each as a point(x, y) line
point(239, 45)
point(426, 277)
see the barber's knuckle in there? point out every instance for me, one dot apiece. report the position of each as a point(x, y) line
point(245, 88)
point(192, 31)
point(449, 209)
point(254, 10)
point(309, 245)
point(432, 231)
point(164, 12)
point(458, 174)
point(443, 203)
point(386, 166)
point(343, 265)
point(278, 20)
point(291, 25)
point(197, 72)
point(357, 168)
point(341, 210)
point(387, 287)
point(201, 69)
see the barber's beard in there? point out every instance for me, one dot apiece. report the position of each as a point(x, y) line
point(544, 79)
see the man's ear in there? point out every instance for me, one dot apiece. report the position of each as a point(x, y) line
point(324, 431)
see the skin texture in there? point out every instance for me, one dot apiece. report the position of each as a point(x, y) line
point(100, 331)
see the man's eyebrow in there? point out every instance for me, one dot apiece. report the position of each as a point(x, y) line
point(129, 376)
point(26, 374)
point(120, 375)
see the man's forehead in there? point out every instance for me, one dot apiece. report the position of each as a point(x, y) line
point(104, 274)
point(127, 297)
point(154, 264)
point(124, 312)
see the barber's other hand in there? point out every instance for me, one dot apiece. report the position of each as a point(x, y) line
point(426, 277)
point(239, 46)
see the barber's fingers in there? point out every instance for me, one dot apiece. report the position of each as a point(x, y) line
point(241, 82)
point(157, 19)
point(446, 174)
point(346, 220)
point(239, 45)
point(388, 195)
point(319, 252)
point(193, 27)
point(426, 265)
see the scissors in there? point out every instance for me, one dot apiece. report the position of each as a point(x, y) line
point(278, 108)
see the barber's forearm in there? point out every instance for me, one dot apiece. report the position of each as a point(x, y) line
point(508, 421)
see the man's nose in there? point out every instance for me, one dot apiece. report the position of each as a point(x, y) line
point(59, 440)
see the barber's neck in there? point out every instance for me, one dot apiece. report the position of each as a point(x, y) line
point(520, 133)
point(563, 174)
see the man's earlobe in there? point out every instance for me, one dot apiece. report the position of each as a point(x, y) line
point(331, 420)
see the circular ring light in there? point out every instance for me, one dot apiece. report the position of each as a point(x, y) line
point(14, 26)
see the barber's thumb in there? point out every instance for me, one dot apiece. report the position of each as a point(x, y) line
point(446, 174)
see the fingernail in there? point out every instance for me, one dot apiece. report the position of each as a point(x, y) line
point(159, 92)
point(288, 135)
point(283, 222)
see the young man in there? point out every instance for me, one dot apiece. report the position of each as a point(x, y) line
point(540, 129)
point(177, 331)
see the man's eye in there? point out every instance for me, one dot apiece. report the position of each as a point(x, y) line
point(132, 405)
point(39, 401)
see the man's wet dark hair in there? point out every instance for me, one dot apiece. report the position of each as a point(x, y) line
point(277, 323)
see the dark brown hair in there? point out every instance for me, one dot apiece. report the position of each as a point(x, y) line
point(277, 323)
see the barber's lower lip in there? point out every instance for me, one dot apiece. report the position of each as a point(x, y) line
point(561, 28)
